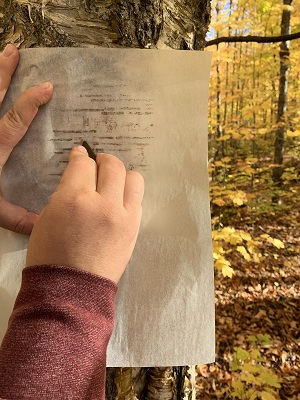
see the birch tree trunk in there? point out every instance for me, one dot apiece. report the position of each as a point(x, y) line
point(161, 24)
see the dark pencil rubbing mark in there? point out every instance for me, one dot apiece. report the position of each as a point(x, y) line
point(112, 113)
point(98, 95)
point(70, 131)
point(143, 137)
point(87, 109)
point(108, 150)
point(61, 140)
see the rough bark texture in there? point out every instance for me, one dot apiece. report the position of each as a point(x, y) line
point(106, 23)
point(284, 54)
point(176, 24)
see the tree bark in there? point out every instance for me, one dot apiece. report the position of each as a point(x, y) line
point(110, 23)
point(113, 23)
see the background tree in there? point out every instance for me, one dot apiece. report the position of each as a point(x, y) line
point(284, 55)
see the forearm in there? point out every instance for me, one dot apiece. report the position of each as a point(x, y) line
point(55, 345)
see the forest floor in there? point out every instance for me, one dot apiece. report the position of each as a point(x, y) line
point(259, 299)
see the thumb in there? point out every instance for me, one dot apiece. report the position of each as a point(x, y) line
point(81, 171)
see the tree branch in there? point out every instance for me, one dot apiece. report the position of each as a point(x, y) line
point(257, 39)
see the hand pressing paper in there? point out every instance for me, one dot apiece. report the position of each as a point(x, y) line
point(149, 108)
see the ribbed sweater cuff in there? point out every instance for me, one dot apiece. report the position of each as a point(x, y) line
point(70, 285)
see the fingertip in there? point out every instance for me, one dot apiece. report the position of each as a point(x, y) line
point(46, 90)
point(38, 95)
point(138, 178)
point(9, 59)
point(80, 170)
point(46, 86)
point(134, 190)
point(78, 150)
point(10, 51)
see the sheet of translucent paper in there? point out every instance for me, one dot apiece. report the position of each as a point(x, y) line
point(149, 108)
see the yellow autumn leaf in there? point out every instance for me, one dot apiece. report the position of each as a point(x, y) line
point(221, 263)
point(287, 263)
point(219, 202)
point(278, 243)
point(256, 257)
point(293, 134)
point(267, 396)
point(270, 378)
point(244, 252)
point(217, 250)
point(251, 160)
point(238, 201)
point(262, 131)
point(228, 230)
point(249, 170)
point(236, 136)
point(245, 131)
point(224, 137)
point(235, 238)
point(239, 198)
point(226, 159)
point(265, 236)
point(227, 271)
point(245, 236)
point(217, 235)
point(219, 164)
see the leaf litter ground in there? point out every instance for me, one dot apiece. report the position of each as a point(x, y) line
point(259, 299)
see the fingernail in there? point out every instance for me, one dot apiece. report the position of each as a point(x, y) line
point(45, 85)
point(9, 49)
point(81, 149)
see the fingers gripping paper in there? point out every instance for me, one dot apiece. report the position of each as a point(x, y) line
point(149, 108)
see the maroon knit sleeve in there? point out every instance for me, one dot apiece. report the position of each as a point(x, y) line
point(55, 345)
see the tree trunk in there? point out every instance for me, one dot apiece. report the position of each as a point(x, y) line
point(282, 98)
point(109, 23)
point(113, 23)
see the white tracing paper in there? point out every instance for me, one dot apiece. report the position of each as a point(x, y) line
point(149, 108)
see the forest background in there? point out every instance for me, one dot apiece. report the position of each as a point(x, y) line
point(254, 136)
point(254, 133)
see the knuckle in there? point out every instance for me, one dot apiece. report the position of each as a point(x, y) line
point(76, 207)
point(82, 162)
point(111, 160)
point(80, 201)
point(13, 119)
point(110, 216)
point(20, 227)
point(118, 163)
point(35, 96)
